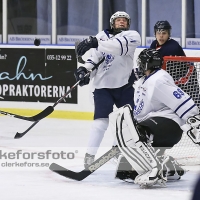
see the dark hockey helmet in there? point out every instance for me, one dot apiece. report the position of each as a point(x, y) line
point(117, 15)
point(149, 59)
point(162, 25)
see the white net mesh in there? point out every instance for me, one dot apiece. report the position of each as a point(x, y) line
point(186, 74)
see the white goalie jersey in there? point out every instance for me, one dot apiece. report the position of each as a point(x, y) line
point(167, 99)
point(118, 51)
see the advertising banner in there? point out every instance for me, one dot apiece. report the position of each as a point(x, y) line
point(28, 39)
point(192, 42)
point(37, 75)
point(70, 39)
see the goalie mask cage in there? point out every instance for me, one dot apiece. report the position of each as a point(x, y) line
point(186, 74)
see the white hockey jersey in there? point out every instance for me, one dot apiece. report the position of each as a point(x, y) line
point(118, 51)
point(157, 96)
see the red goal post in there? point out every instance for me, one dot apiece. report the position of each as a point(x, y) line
point(186, 74)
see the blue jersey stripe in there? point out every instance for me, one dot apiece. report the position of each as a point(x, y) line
point(90, 61)
point(107, 33)
point(126, 45)
point(187, 110)
point(182, 104)
point(121, 46)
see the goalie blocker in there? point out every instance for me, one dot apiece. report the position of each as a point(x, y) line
point(143, 146)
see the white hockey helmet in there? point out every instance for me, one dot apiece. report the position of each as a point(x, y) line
point(117, 15)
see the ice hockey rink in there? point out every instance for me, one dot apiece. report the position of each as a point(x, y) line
point(39, 183)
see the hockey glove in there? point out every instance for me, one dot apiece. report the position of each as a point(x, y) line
point(86, 45)
point(80, 76)
point(194, 132)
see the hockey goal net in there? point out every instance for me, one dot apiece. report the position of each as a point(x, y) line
point(186, 74)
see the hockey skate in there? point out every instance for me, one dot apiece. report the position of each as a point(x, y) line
point(154, 176)
point(89, 159)
point(124, 170)
point(151, 178)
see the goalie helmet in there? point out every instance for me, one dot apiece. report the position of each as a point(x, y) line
point(117, 15)
point(149, 59)
point(162, 25)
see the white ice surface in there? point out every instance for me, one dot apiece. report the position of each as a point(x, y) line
point(26, 183)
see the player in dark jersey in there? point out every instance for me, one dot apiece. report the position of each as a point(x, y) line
point(178, 70)
point(163, 43)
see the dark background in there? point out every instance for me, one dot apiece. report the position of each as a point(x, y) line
point(59, 63)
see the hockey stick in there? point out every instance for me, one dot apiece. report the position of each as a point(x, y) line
point(47, 111)
point(19, 135)
point(79, 176)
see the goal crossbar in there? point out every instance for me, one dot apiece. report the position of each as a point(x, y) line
point(181, 58)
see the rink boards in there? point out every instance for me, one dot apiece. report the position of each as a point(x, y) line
point(58, 61)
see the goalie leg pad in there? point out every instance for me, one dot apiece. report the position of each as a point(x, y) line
point(140, 155)
point(153, 176)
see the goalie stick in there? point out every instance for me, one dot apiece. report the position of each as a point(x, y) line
point(47, 111)
point(79, 176)
point(19, 135)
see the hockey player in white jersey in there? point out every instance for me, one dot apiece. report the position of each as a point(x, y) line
point(113, 79)
point(162, 111)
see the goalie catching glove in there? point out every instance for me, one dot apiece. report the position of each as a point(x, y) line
point(192, 128)
point(81, 75)
point(86, 45)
